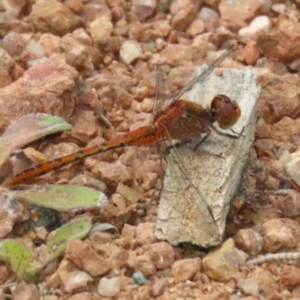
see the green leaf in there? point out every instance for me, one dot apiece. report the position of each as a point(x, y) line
point(20, 257)
point(16, 254)
point(28, 129)
point(50, 124)
point(63, 197)
point(76, 229)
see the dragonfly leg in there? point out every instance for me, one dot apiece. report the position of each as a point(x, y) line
point(202, 140)
point(236, 136)
point(177, 145)
point(227, 134)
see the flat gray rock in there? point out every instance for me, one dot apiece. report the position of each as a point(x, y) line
point(210, 176)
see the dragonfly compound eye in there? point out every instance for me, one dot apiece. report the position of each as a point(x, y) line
point(226, 112)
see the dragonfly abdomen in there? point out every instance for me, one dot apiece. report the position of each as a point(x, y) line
point(142, 136)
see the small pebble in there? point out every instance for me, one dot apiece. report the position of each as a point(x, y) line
point(138, 278)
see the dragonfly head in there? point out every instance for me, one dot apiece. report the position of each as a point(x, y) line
point(225, 111)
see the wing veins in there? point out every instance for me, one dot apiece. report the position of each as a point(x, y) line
point(176, 95)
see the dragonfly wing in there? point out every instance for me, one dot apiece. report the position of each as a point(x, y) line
point(185, 211)
point(160, 93)
point(177, 95)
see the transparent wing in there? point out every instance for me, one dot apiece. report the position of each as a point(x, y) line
point(160, 93)
point(184, 214)
point(177, 95)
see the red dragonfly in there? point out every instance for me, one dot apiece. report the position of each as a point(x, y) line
point(177, 120)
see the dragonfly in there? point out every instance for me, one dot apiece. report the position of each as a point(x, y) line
point(176, 120)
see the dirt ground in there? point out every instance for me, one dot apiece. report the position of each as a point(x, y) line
point(94, 64)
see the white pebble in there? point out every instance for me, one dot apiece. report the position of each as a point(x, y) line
point(131, 51)
point(261, 23)
point(109, 287)
point(206, 14)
